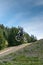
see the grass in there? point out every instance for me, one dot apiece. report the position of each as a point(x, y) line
point(30, 55)
point(22, 60)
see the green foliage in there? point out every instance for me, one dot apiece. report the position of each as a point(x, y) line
point(11, 39)
point(27, 37)
point(2, 40)
point(33, 38)
point(21, 35)
point(14, 36)
point(30, 55)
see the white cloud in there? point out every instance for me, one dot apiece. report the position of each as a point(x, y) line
point(34, 26)
point(6, 5)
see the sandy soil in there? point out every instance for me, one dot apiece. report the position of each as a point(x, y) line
point(12, 49)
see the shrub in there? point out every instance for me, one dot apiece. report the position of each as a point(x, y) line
point(2, 40)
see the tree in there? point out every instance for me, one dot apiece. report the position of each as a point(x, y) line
point(33, 38)
point(21, 35)
point(27, 38)
point(13, 32)
point(2, 40)
point(14, 36)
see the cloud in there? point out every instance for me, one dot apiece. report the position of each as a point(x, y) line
point(34, 26)
point(26, 13)
point(7, 6)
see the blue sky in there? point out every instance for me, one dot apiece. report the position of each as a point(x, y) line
point(25, 13)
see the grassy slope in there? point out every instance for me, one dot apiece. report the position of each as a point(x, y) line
point(30, 55)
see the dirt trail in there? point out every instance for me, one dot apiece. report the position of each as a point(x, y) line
point(12, 49)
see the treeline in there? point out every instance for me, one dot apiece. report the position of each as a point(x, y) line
point(14, 36)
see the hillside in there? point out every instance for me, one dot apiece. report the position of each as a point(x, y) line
point(30, 55)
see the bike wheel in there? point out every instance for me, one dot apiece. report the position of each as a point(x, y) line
point(18, 38)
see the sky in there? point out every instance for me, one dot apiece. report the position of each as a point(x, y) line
point(25, 13)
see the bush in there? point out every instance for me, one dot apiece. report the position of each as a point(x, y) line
point(3, 43)
point(11, 39)
point(2, 40)
point(14, 36)
point(33, 38)
point(27, 37)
